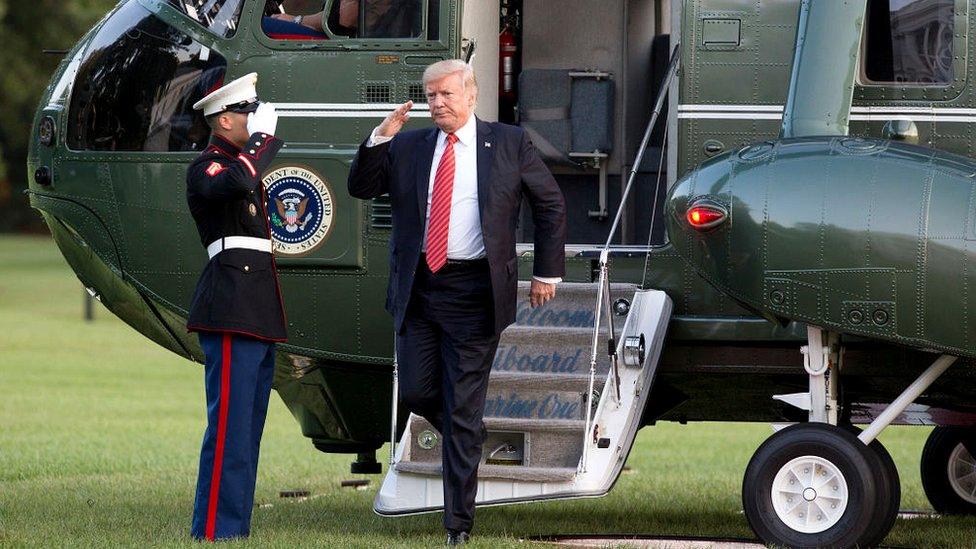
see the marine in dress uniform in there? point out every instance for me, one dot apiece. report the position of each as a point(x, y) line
point(237, 308)
point(456, 190)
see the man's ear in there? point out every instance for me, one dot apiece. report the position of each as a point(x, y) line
point(225, 122)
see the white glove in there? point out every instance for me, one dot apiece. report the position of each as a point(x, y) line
point(263, 120)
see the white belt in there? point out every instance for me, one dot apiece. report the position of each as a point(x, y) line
point(246, 242)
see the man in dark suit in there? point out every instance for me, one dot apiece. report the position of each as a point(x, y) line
point(456, 190)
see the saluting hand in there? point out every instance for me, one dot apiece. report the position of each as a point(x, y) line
point(395, 120)
point(263, 120)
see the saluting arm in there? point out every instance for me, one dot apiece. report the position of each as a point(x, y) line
point(548, 213)
point(229, 178)
point(369, 176)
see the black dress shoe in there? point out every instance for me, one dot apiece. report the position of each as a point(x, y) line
point(457, 537)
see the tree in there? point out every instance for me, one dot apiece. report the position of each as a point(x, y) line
point(26, 29)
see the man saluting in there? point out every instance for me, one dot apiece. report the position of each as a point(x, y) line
point(456, 191)
point(237, 307)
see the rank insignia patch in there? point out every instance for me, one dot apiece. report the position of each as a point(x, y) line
point(214, 168)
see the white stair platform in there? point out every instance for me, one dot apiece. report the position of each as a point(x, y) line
point(412, 487)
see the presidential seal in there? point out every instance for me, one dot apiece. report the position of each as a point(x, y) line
point(300, 210)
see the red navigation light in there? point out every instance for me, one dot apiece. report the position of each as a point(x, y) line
point(705, 216)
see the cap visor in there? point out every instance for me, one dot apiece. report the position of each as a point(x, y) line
point(250, 107)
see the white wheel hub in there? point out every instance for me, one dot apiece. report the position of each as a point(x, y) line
point(962, 473)
point(809, 494)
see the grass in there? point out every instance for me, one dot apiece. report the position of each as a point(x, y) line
point(100, 431)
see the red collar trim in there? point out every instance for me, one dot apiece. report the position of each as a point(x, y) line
point(224, 146)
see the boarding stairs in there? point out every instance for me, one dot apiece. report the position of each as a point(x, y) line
point(535, 411)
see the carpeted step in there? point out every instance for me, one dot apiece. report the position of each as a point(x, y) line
point(541, 443)
point(536, 403)
point(530, 380)
point(539, 425)
point(486, 471)
point(572, 307)
point(548, 351)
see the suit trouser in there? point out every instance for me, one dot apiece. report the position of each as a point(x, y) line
point(238, 372)
point(444, 351)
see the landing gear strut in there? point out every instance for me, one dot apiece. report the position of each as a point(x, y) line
point(818, 484)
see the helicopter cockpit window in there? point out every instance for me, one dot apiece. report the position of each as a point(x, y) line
point(136, 86)
point(909, 42)
point(219, 16)
point(378, 18)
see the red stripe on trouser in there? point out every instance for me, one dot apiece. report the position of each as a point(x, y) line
point(221, 435)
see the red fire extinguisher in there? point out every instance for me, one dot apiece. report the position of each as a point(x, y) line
point(508, 48)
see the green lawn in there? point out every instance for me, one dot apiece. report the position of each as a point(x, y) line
point(100, 431)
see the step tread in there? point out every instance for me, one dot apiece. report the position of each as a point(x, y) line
point(510, 472)
point(534, 330)
point(521, 424)
point(526, 284)
point(540, 380)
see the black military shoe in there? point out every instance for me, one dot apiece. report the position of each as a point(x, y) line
point(457, 537)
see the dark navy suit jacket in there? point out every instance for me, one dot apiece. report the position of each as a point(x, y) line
point(509, 168)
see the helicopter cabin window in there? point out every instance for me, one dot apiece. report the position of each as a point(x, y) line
point(909, 42)
point(380, 18)
point(136, 86)
point(308, 20)
point(219, 16)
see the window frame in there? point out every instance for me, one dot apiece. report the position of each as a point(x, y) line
point(180, 22)
point(344, 43)
point(871, 90)
point(208, 30)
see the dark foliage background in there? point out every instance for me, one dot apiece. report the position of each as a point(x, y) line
point(26, 29)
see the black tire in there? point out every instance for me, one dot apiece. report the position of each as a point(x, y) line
point(889, 496)
point(857, 464)
point(939, 448)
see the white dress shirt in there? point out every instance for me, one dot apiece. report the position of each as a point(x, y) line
point(464, 238)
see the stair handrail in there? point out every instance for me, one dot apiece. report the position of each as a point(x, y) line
point(603, 305)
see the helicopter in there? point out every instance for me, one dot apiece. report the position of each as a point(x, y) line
point(770, 210)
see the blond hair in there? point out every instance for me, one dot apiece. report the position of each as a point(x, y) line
point(441, 69)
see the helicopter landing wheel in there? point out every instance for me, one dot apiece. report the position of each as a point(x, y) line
point(949, 471)
point(890, 487)
point(815, 485)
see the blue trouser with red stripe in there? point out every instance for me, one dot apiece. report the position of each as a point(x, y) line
point(238, 373)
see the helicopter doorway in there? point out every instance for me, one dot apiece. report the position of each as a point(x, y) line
point(580, 77)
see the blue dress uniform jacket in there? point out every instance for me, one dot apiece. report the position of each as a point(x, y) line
point(238, 290)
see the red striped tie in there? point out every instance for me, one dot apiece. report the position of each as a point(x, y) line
point(440, 208)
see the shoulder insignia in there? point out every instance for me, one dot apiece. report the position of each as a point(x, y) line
point(214, 168)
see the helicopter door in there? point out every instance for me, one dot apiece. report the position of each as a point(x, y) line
point(542, 443)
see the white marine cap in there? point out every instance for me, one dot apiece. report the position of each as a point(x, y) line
point(238, 96)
